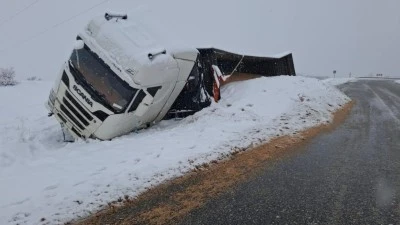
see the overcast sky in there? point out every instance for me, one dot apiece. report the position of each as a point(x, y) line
point(357, 36)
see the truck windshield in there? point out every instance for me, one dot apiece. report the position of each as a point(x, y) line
point(95, 75)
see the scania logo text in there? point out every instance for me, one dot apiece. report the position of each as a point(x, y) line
point(80, 93)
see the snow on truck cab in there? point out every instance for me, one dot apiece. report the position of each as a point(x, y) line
point(123, 76)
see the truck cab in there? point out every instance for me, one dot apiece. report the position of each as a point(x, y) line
point(119, 77)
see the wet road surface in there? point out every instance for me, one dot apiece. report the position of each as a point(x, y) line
point(348, 176)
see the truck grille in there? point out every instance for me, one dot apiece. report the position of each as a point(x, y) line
point(75, 113)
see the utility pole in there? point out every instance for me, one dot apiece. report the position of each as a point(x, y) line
point(334, 73)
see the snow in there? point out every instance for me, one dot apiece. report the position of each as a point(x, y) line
point(338, 81)
point(397, 81)
point(43, 177)
point(282, 54)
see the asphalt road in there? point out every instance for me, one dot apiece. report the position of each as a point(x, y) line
point(348, 176)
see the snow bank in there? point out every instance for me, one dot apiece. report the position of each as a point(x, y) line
point(43, 177)
point(397, 81)
point(338, 81)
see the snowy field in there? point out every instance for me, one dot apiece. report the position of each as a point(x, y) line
point(43, 177)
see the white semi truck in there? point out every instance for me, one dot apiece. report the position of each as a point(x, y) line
point(121, 76)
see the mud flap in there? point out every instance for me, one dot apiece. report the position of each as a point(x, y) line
point(219, 80)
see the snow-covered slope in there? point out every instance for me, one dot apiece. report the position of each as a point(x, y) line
point(43, 177)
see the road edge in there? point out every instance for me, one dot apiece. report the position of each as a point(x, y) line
point(167, 203)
